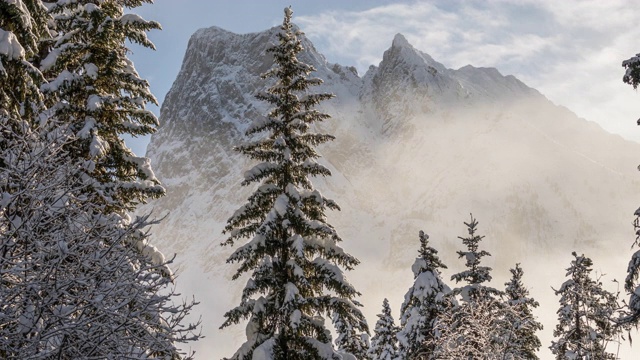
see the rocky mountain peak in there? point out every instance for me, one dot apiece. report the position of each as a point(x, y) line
point(403, 54)
point(418, 146)
point(400, 41)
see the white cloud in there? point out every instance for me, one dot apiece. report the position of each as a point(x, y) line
point(571, 51)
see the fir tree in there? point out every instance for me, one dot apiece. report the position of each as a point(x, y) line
point(472, 330)
point(425, 301)
point(475, 275)
point(94, 87)
point(384, 341)
point(522, 341)
point(476, 325)
point(292, 253)
point(349, 340)
point(585, 318)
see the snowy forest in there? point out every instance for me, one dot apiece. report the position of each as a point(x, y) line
point(81, 278)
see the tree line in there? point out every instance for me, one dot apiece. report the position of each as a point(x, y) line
point(296, 265)
point(80, 279)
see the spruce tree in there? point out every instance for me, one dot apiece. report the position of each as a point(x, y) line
point(384, 341)
point(475, 275)
point(474, 326)
point(425, 301)
point(521, 339)
point(586, 315)
point(22, 26)
point(632, 71)
point(350, 341)
point(292, 253)
point(94, 87)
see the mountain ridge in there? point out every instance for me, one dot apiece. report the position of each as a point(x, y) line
point(415, 150)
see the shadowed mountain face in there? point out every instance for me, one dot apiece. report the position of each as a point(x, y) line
point(418, 147)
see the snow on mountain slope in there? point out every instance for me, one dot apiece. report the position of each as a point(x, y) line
point(418, 147)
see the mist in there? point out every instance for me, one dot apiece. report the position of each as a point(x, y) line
point(541, 182)
point(418, 147)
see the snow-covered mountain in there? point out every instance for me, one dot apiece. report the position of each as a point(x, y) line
point(419, 146)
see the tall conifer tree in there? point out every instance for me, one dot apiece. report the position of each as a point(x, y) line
point(425, 301)
point(384, 343)
point(292, 253)
point(94, 87)
point(521, 340)
point(586, 315)
point(476, 275)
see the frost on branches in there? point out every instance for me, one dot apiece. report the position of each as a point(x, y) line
point(586, 315)
point(474, 329)
point(292, 253)
point(384, 341)
point(77, 279)
point(423, 304)
point(71, 283)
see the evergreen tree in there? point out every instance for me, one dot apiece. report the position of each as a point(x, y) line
point(475, 275)
point(349, 340)
point(94, 87)
point(425, 301)
point(522, 341)
point(384, 341)
point(22, 25)
point(476, 324)
point(76, 282)
point(585, 318)
point(292, 253)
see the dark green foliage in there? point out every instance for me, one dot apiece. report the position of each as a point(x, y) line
point(95, 88)
point(475, 275)
point(292, 253)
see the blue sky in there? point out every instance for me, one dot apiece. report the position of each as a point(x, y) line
point(570, 51)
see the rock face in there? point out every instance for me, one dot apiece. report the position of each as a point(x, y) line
point(418, 147)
